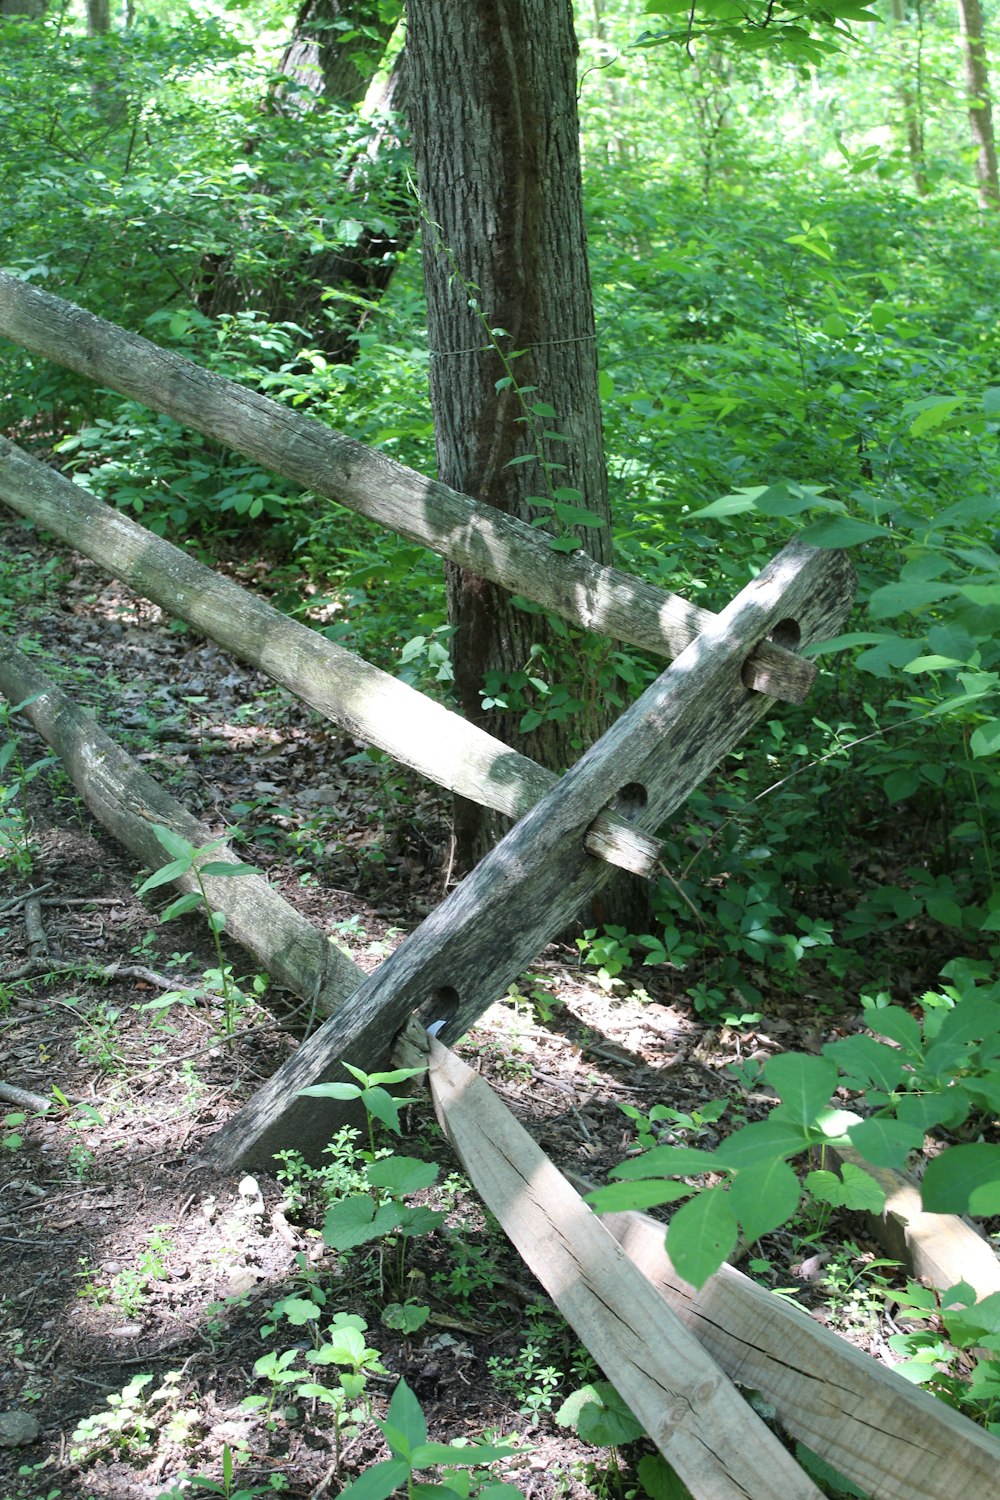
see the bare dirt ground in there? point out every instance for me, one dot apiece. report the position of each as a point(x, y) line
point(128, 1272)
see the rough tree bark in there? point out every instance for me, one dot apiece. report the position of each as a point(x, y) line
point(335, 48)
point(496, 145)
point(977, 84)
point(910, 98)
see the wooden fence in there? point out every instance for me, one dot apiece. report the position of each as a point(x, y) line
point(571, 832)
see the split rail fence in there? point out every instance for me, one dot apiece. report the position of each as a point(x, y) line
point(570, 835)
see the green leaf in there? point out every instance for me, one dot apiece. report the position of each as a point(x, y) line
point(885, 1142)
point(867, 1061)
point(332, 1091)
point(458, 1455)
point(986, 739)
point(406, 1416)
point(575, 515)
point(854, 1189)
point(383, 1106)
point(605, 386)
point(659, 1480)
point(599, 1415)
point(762, 1141)
point(667, 1161)
point(963, 1180)
point(897, 1024)
point(898, 598)
point(764, 1196)
point(805, 1084)
point(844, 531)
point(356, 1220)
point(701, 1235)
point(931, 412)
point(400, 1175)
point(175, 844)
point(164, 875)
point(650, 1192)
point(189, 902)
point(218, 867)
point(378, 1482)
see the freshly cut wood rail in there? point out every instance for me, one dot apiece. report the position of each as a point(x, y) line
point(128, 801)
point(894, 1440)
point(702, 1426)
point(488, 930)
point(476, 536)
point(345, 688)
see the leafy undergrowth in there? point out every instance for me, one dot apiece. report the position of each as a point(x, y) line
point(158, 1322)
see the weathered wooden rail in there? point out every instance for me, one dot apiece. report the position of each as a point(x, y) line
point(476, 536)
point(462, 957)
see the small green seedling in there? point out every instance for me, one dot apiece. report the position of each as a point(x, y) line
point(187, 859)
point(405, 1431)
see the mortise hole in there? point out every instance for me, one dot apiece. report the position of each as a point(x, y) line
point(786, 633)
point(441, 1005)
point(630, 800)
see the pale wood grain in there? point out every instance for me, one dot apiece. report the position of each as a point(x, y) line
point(699, 1422)
point(891, 1438)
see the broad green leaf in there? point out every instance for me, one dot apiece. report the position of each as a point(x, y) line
point(647, 1192)
point(932, 664)
point(575, 515)
point(462, 1455)
point(854, 1189)
point(218, 867)
point(405, 1415)
point(865, 1060)
point(963, 1180)
point(356, 1220)
point(164, 875)
point(805, 1084)
point(931, 412)
point(332, 1091)
point(384, 1107)
point(659, 1480)
point(764, 1196)
point(986, 739)
point(897, 598)
point(341, 1346)
point(189, 902)
point(844, 531)
point(701, 1235)
point(378, 1482)
point(667, 1161)
point(605, 386)
point(762, 1141)
point(885, 1142)
point(175, 844)
point(897, 1024)
point(298, 1310)
point(599, 1415)
point(402, 1174)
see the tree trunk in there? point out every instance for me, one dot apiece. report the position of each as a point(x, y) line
point(98, 17)
point(977, 84)
point(910, 99)
point(335, 49)
point(496, 144)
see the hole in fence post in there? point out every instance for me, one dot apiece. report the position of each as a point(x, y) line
point(441, 1006)
point(630, 801)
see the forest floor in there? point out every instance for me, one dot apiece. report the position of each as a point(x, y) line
point(135, 1285)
